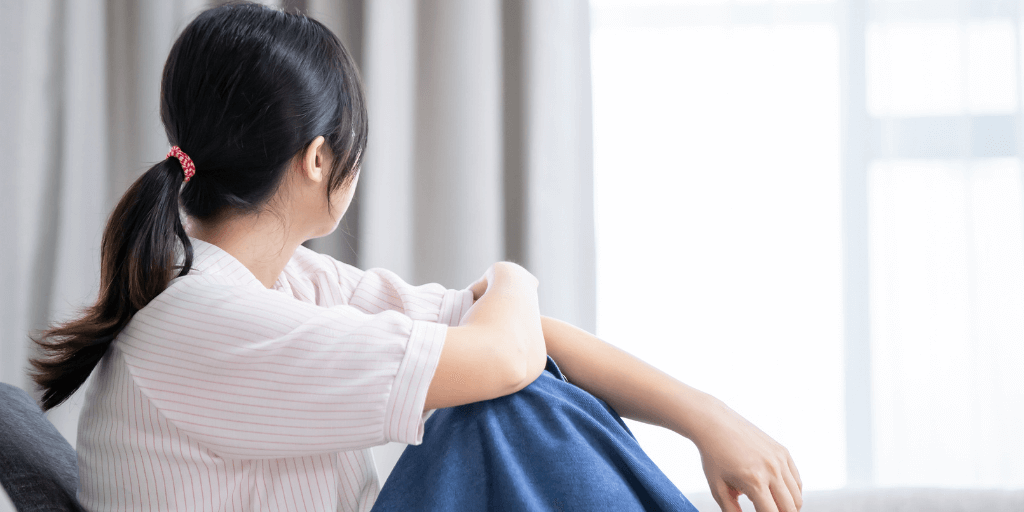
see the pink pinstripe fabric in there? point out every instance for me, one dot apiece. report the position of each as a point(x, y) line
point(224, 395)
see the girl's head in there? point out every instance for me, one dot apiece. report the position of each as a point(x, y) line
point(247, 92)
point(245, 89)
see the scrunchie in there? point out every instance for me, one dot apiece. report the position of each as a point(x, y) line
point(186, 162)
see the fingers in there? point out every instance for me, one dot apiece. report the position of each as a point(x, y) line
point(784, 498)
point(763, 500)
point(794, 487)
point(727, 500)
point(479, 287)
point(796, 474)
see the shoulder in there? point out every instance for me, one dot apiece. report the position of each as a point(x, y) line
point(200, 309)
point(202, 294)
point(214, 286)
point(306, 262)
point(317, 278)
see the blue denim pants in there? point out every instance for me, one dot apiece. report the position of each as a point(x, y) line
point(549, 447)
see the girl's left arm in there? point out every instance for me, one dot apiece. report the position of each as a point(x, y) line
point(738, 458)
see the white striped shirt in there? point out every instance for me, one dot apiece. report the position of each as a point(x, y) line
point(224, 395)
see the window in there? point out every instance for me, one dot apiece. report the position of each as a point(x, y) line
point(812, 210)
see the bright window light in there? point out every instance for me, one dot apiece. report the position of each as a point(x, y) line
point(718, 227)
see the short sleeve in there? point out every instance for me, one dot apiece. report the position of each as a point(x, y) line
point(375, 290)
point(253, 373)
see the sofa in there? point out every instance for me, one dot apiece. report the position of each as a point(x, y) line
point(893, 500)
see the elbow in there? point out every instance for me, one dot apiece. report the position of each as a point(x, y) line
point(511, 371)
point(517, 377)
point(520, 366)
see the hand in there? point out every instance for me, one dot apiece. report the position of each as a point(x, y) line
point(481, 285)
point(739, 458)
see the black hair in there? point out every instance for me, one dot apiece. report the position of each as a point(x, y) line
point(246, 88)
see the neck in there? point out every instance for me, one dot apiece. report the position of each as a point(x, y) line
point(260, 242)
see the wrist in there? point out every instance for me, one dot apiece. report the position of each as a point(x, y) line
point(697, 415)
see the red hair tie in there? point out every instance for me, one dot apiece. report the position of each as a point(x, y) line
point(186, 162)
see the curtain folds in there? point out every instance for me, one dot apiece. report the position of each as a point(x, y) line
point(481, 141)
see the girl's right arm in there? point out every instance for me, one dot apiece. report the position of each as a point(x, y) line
point(498, 348)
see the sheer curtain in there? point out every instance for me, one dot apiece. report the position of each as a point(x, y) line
point(480, 147)
point(813, 210)
point(947, 242)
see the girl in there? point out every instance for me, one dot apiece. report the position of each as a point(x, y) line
point(237, 370)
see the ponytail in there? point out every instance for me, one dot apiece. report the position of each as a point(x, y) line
point(245, 89)
point(137, 262)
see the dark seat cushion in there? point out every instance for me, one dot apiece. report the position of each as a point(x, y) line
point(38, 468)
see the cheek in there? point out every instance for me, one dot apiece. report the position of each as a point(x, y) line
point(340, 200)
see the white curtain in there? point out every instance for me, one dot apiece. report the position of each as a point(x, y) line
point(836, 188)
point(480, 147)
point(946, 242)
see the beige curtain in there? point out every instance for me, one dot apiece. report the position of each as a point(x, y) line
point(480, 147)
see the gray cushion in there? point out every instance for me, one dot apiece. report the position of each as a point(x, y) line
point(38, 468)
point(893, 500)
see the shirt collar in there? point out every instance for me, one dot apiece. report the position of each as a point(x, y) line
point(208, 259)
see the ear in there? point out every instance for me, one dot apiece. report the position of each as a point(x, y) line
point(312, 160)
